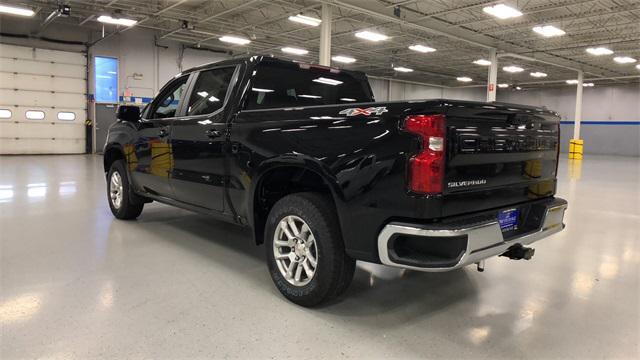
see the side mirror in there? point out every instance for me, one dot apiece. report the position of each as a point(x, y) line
point(128, 113)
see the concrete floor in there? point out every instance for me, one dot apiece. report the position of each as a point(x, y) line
point(75, 283)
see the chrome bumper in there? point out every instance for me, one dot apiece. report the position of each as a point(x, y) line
point(484, 240)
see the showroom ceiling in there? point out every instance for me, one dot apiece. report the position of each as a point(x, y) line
point(460, 31)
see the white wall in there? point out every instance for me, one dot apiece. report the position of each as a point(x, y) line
point(610, 115)
point(138, 54)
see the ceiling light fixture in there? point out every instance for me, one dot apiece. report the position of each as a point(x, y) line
point(588, 84)
point(599, 51)
point(402, 69)
point(538, 74)
point(624, 60)
point(502, 11)
point(116, 21)
point(638, 66)
point(548, 31)
point(371, 36)
point(464, 79)
point(513, 69)
point(572, 82)
point(421, 48)
point(307, 20)
point(502, 86)
point(343, 59)
point(295, 51)
point(482, 62)
point(13, 10)
point(235, 40)
point(518, 88)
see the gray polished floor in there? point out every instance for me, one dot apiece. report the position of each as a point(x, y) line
point(75, 283)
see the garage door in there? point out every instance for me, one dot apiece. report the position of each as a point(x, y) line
point(42, 101)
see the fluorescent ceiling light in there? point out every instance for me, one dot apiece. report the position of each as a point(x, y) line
point(549, 31)
point(624, 60)
point(13, 10)
point(116, 21)
point(518, 88)
point(421, 48)
point(502, 11)
point(348, 99)
point(310, 96)
point(502, 86)
point(213, 98)
point(572, 82)
point(587, 84)
point(513, 69)
point(262, 90)
point(464, 79)
point(638, 66)
point(599, 51)
point(324, 80)
point(343, 59)
point(482, 62)
point(402, 69)
point(307, 20)
point(296, 51)
point(235, 40)
point(203, 93)
point(371, 36)
point(538, 74)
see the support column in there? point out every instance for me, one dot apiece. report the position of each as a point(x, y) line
point(576, 144)
point(492, 87)
point(325, 36)
point(576, 126)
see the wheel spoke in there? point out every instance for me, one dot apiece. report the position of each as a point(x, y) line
point(311, 241)
point(282, 256)
point(298, 273)
point(312, 259)
point(290, 269)
point(285, 229)
point(282, 243)
point(305, 232)
point(293, 226)
point(307, 269)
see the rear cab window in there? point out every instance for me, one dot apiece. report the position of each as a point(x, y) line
point(279, 85)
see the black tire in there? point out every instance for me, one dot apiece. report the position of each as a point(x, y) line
point(126, 209)
point(334, 270)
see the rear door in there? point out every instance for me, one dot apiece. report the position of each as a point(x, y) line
point(199, 140)
point(153, 153)
point(498, 155)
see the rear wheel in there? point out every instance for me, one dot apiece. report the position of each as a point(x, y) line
point(305, 251)
point(118, 193)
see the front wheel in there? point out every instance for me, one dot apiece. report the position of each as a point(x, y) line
point(118, 193)
point(305, 251)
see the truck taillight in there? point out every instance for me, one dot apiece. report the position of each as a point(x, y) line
point(426, 169)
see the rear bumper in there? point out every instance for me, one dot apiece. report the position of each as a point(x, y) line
point(461, 243)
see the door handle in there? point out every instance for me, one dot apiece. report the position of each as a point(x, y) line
point(212, 133)
point(163, 133)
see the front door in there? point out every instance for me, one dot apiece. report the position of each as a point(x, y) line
point(199, 140)
point(153, 155)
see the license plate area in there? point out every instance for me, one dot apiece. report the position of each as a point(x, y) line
point(508, 219)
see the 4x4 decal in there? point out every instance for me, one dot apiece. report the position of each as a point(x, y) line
point(366, 112)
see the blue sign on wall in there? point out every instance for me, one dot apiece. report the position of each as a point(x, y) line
point(106, 81)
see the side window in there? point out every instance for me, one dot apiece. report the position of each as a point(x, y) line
point(209, 91)
point(168, 101)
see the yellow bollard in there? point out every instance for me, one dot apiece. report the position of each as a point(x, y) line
point(576, 148)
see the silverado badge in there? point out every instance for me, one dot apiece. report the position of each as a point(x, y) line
point(379, 110)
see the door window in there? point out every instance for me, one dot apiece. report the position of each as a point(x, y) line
point(168, 101)
point(209, 91)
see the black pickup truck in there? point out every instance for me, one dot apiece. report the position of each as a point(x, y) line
point(325, 176)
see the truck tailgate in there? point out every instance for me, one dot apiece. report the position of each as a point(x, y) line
point(498, 155)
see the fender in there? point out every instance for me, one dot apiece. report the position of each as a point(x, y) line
point(303, 162)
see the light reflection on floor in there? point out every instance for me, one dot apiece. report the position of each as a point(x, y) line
point(78, 284)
